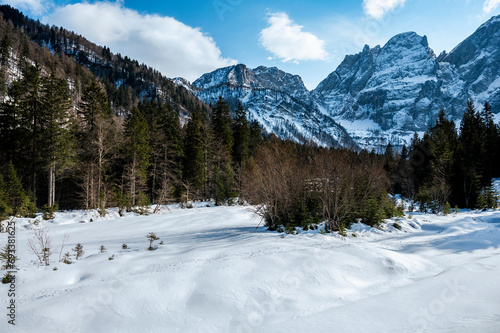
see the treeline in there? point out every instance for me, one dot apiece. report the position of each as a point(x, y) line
point(447, 167)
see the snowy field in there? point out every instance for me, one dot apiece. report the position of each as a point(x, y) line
point(217, 272)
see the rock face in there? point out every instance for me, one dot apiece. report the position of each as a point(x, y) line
point(279, 101)
point(477, 62)
point(384, 94)
point(380, 95)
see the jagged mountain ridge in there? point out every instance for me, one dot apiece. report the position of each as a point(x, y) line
point(279, 101)
point(380, 95)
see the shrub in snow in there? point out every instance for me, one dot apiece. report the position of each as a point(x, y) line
point(41, 245)
point(50, 211)
point(102, 249)
point(112, 257)
point(397, 226)
point(152, 237)
point(78, 251)
point(124, 246)
point(446, 208)
point(7, 257)
point(142, 204)
point(8, 278)
point(66, 258)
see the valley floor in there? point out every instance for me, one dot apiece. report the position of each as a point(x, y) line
point(217, 272)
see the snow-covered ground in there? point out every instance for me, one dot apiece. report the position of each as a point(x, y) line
point(217, 272)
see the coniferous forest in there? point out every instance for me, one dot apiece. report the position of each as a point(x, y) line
point(83, 128)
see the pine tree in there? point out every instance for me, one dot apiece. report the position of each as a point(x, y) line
point(222, 147)
point(471, 167)
point(221, 124)
point(193, 171)
point(241, 134)
point(97, 139)
point(255, 137)
point(32, 119)
point(139, 152)
point(443, 145)
point(58, 141)
point(5, 208)
point(16, 197)
point(490, 136)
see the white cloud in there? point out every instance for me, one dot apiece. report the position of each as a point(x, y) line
point(490, 5)
point(286, 40)
point(163, 43)
point(33, 7)
point(378, 8)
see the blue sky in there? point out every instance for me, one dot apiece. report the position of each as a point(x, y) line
point(309, 38)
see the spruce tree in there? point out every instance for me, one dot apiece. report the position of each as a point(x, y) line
point(16, 196)
point(241, 134)
point(193, 171)
point(97, 139)
point(255, 137)
point(5, 208)
point(58, 141)
point(221, 124)
point(139, 152)
point(471, 162)
point(223, 176)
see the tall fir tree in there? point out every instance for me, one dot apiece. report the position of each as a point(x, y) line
point(139, 152)
point(193, 171)
point(471, 162)
point(97, 139)
point(241, 134)
point(58, 138)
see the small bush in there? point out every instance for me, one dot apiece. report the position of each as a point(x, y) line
point(8, 278)
point(112, 257)
point(54, 268)
point(446, 208)
point(151, 237)
point(142, 204)
point(78, 250)
point(397, 226)
point(290, 230)
point(102, 249)
point(50, 211)
point(124, 246)
point(66, 259)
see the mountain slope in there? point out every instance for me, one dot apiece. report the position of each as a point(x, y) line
point(126, 80)
point(279, 101)
point(384, 94)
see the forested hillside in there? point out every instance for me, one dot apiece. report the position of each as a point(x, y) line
point(126, 81)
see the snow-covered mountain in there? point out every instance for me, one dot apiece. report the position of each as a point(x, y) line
point(380, 95)
point(279, 101)
point(387, 93)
